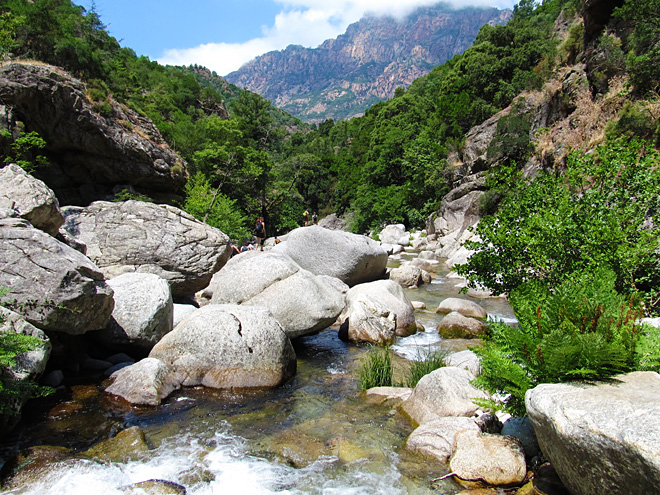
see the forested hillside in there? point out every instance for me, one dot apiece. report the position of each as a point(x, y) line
point(559, 80)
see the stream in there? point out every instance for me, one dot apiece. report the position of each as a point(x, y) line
point(314, 435)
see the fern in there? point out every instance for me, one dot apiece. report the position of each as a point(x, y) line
point(584, 330)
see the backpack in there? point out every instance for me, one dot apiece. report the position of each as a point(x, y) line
point(259, 229)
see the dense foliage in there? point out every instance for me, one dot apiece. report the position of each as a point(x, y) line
point(584, 329)
point(14, 388)
point(387, 166)
point(601, 213)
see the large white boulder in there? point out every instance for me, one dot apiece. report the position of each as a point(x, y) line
point(601, 438)
point(52, 286)
point(143, 312)
point(302, 302)
point(381, 299)
point(218, 346)
point(444, 392)
point(352, 258)
point(395, 234)
point(135, 236)
point(228, 346)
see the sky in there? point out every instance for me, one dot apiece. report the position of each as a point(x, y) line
point(222, 35)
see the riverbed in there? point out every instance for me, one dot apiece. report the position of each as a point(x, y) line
point(314, 435)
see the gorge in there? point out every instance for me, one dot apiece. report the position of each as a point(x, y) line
point(518, 181)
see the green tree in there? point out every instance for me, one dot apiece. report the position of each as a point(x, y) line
point(215, 208)
point(603, 212)
point(644, 58)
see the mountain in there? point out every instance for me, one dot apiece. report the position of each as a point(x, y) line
point(376, 55)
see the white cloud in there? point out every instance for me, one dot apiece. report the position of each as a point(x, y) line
point(301, 22)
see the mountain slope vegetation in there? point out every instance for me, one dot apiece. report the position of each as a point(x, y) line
point(558, 83)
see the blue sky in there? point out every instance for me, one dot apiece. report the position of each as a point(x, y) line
point(224, 34)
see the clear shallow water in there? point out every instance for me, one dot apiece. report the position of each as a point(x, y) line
point(314, 435)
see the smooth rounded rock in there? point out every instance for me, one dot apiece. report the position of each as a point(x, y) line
point(462, 306)
point(494, 459)
point(456, 326)
point(444, 392)
point(436, 438)
point(352, 258)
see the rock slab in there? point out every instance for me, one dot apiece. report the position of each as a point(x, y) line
point(602, 438)
point(135, 236)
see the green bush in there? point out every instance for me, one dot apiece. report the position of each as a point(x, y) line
point(376, 369)
point(602, 212)
point(12, 389)
point(583, 330)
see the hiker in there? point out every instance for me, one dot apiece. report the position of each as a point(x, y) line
point(315, 219)
point(234, 249)
point(306, 217)
point(260, 232)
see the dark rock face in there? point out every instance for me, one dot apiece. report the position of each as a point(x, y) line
point(90, 154)
point(597, 14)
point(346, 75)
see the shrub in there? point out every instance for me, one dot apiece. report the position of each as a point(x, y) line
point(584, 329)
point(602, 212)
point(376, 369)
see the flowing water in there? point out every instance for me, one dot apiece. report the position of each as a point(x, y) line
point(314, 435)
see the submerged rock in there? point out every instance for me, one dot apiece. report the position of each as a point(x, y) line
point(128, 445)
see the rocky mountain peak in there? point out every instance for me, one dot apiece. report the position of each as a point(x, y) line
point(344, 76)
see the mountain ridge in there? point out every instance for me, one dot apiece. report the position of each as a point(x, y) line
point(344, 76)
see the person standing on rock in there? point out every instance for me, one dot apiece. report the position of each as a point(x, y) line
point(315, 219)
point(306, 217)
point(260, 232)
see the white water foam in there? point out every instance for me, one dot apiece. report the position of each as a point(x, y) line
point(233, 470)
point(417, 346)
